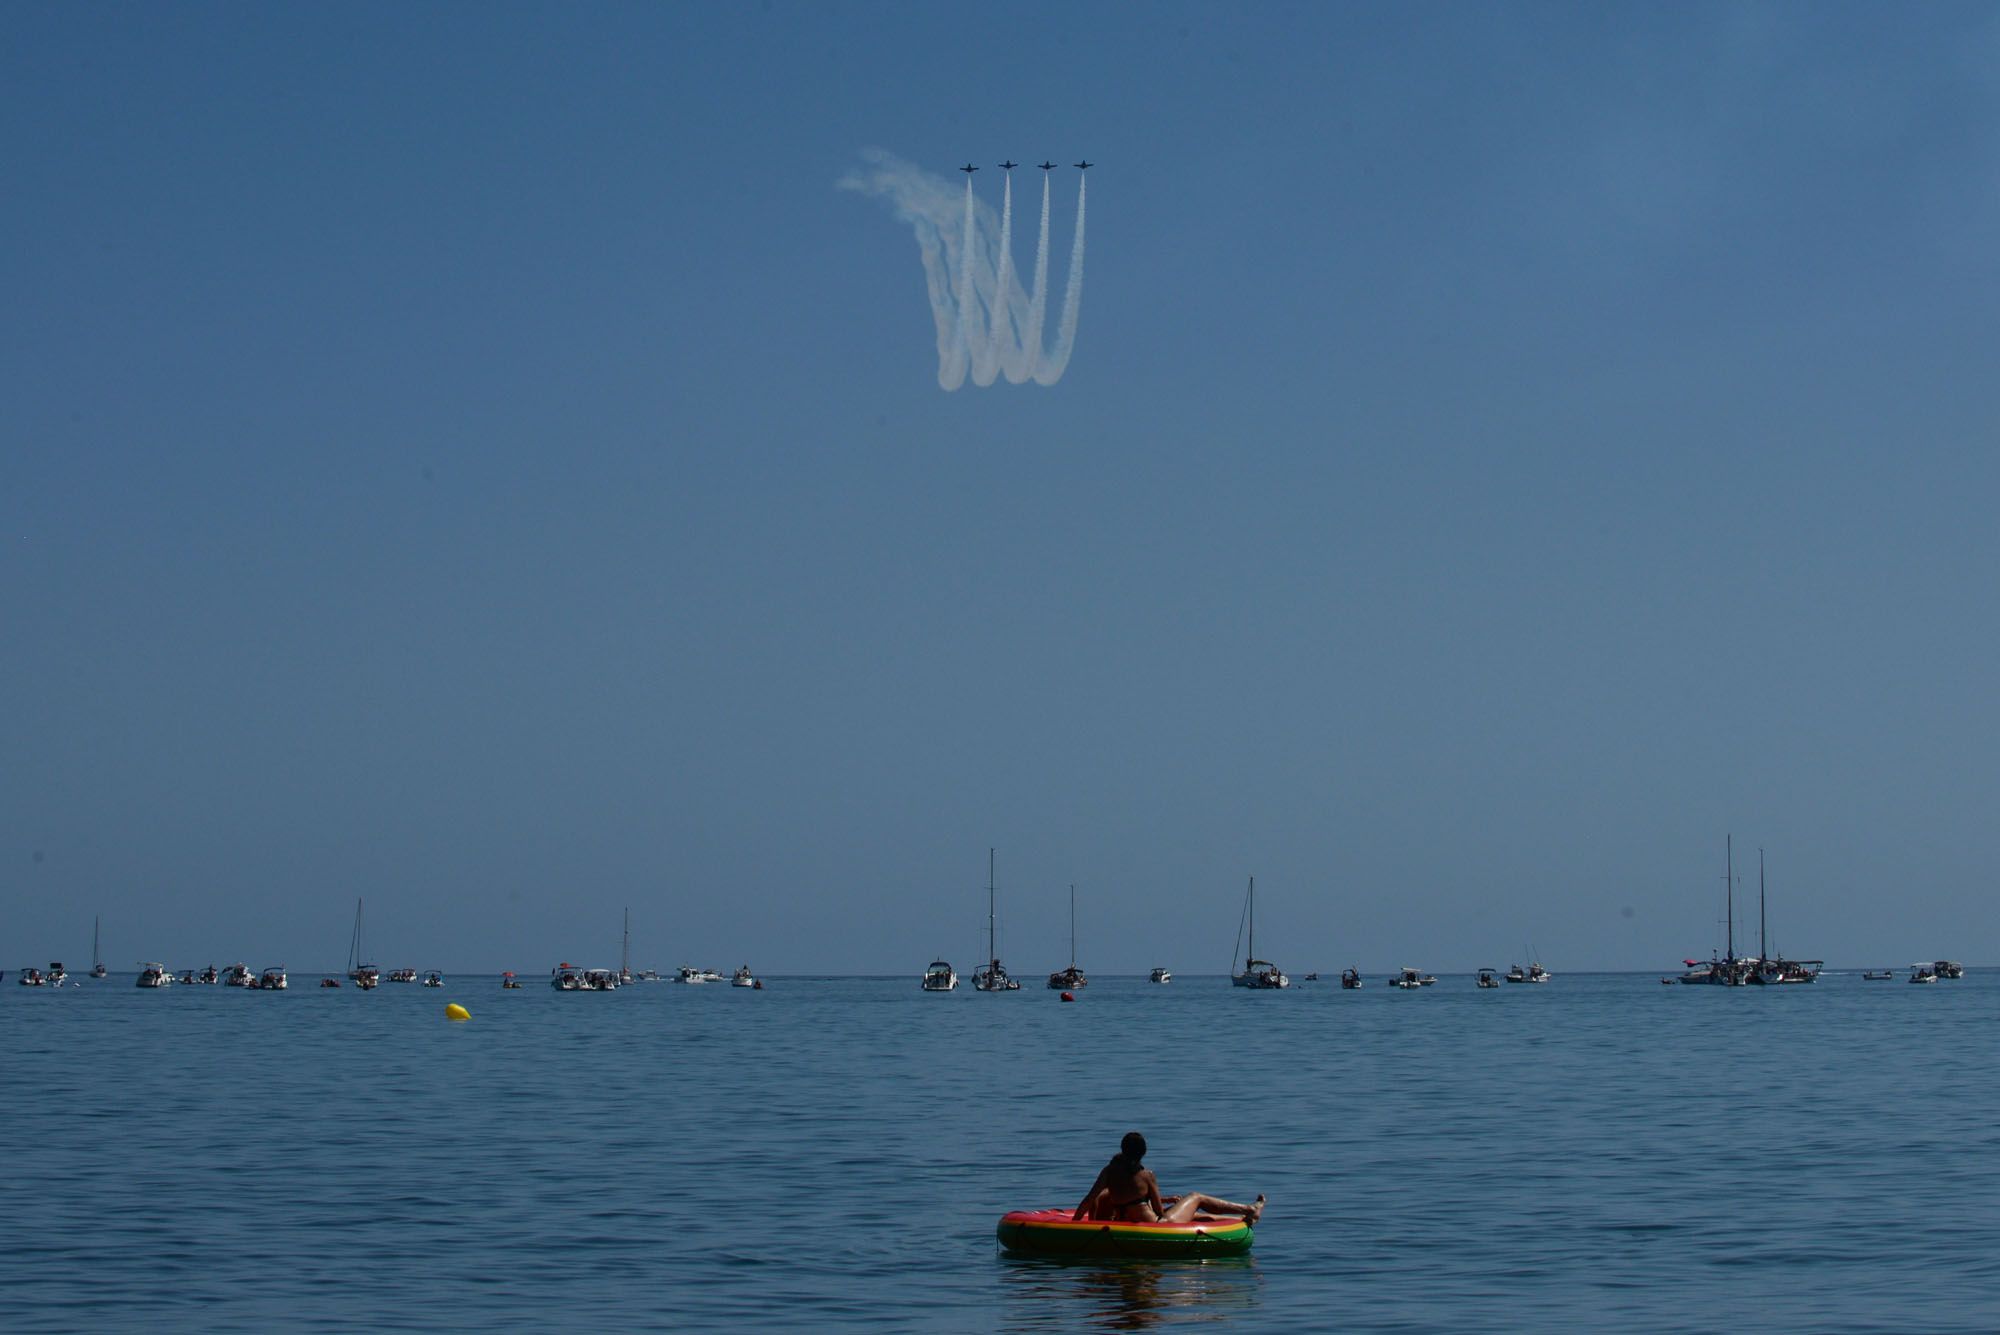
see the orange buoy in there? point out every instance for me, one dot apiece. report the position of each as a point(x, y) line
point(1069, 996)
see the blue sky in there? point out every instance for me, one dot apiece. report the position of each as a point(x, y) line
point(475, 458)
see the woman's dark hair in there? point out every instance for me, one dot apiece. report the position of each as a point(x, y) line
point(1133, 1146)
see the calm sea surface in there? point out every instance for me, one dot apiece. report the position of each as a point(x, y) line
point(831, 1153)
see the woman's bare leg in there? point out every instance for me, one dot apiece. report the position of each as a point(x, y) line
point(1194, 1203)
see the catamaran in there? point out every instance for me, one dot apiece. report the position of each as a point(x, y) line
point(992, 976)
point(1261, 974)
point(1063, 979)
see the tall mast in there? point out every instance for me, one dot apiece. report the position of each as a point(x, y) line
point(1253, 919)
point(1072, 924)
point(97, 956)
point(1762, 952)
point(1729, 882)
point(625, 949)
point(992, 950)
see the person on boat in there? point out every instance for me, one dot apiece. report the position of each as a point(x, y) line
point(1126, 1189)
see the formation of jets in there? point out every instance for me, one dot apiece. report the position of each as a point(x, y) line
point(968, 168)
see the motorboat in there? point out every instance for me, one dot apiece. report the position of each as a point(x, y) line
point(402, 975)
point(238, 975)
point(1537, 974)
point(329, 982)
point(940, 977)
point(1486, 979)
point(57, 975)
point(1949, 969)
point(154, 975)
point(646, 976)
point(1350, 979)
point(207, 977)
point(31, 977)
point(433, 979)
point(564, 978)
point(508, 981)
point(1923, 973)
point(600, 980)
point(1261, 975)
point(1409, 980)
point(1159, 975)
point(273, 979)
point(1877, 975)
point(1427, 980)
point(689, 974)
point(187, 977)
point(1781, 972)
point(743, 978)
point(1517, 974)
point(366, 977)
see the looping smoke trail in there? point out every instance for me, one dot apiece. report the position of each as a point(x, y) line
point(986, 325)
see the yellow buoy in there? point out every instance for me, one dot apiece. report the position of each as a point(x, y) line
point(456, 1012)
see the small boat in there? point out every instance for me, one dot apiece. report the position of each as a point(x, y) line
point(743, 978)
point(31, 977)
point(1409, 980)
point(1063, 980)
point(689, 974)
point(402, 975)
point(646, 976)
point(367, 978)
point(1878, 975)
point(565, 978)
point(363, 976)
point(1486, 979)
point(1350, 979)
point(992, 975)
point(329, 982)
point(57, 975)
point(1311, 977)
point(1923, 973)
point(208, 977)
point(187, 977)
point(509, 981)
point(1055, 1233)
point(600, 980)
point(1159, 975)
point(1516, 974)
point(940, 977)
point(238, 975)
point(154, 975)
point(1261, 975)
point(1537, 974)
point(1949, 969)
point(433, 979)
point(97, 969)
point(273, 979)
point(1427, 980)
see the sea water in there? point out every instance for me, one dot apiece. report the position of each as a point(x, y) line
point(1597, 1152)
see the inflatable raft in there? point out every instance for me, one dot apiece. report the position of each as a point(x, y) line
point(1054, 1233)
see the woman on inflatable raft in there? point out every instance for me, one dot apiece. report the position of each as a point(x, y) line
point(1123, 1213)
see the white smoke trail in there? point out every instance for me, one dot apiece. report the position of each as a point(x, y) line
point(986, 325)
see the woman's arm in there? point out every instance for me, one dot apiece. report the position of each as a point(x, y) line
point(1083, 1207)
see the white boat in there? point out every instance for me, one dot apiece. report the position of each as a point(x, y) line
point(565, 978)
point(433, 979)
point(600, 980)
point(56, 975)
point(1486, 979)
point(1921, 972)
point(1064, 979)
point(1516, 974)
point(273, 979)
point(743, 978)
point(1949, 969)
point(363, 976)
point(402, 975)
point(1408, 979)
point(207, 978)
point(689, 974)
point(154, 975)
point(29, 976)
point(992, 975)
point(1159, 975)
point(940, 977)
point(646, 976)
point(1350, 979)
point(1259, 974)
point(238, 975)
point(1537, 974)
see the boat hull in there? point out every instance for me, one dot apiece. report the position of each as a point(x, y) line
point(1054, 1233)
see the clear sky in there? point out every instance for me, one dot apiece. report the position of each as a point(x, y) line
point(472, 456)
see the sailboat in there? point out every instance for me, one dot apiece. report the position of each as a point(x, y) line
point(1257, 973)
point(1072, 976)
point(1727, 971)
point(625, 951)
point(97, 969)
point(992, 976)
point(1776, 971)
point(362, 975)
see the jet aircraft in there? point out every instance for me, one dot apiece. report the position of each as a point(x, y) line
point(1008, 166)
point(968, 168)
point(1083, 166)
point(1048, 166)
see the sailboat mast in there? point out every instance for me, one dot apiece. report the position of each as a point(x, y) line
point(1729, 883)
point(625, 948)
point(97, 955)
point(992, 949)
point(1253, 920)
point(1072, 924)
point(1763, 952)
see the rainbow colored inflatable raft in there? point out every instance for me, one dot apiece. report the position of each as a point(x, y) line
point(1054, 1233)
